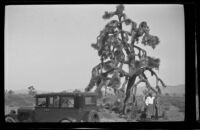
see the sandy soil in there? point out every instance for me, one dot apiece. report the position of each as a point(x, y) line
point(172, 114)
point(107, 116)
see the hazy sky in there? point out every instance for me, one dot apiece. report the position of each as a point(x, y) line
point(49, 46)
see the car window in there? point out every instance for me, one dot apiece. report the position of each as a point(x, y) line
point(56, 101)
point(89, 100)
point(42, 102)
point(67, 102)
point(51, 102)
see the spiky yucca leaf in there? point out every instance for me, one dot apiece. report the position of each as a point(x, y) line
point(112, 23)
point(143, 24)
point(120, 9)
point(142, 29)
point(95, 46)
point(150, 40)
point(154, 41)
point(134, 26)
point(108, 15)
point(153, 62)
point(127, 21)
point(158, 90)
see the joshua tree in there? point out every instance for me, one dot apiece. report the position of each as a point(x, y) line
point(31, 90)
point(76, 91)
point(117, 47)
point(11, 92)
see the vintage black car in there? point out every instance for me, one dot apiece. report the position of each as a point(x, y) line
point(58, 107)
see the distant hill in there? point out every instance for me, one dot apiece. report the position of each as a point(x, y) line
point(21, 91)
point(25, 91)
point(177, 89)
point(19, 100)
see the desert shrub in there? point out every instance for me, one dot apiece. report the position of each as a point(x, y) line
point(11, 92)
point(166, 94)
point(117, 107)
point(179, 102)
point(19, 100)
point(164, 115)
point(32, 91)
point(166, 108)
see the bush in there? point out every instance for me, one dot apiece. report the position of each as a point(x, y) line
point(19, 100)
point(179, 102)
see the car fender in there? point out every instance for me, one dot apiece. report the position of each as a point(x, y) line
point(14, 116)
point(68, 119)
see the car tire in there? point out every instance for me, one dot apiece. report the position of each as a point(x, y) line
point(65, 121)
point(93, 116)
point(10, 119)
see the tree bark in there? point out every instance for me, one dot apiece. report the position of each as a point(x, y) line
point(131, 81)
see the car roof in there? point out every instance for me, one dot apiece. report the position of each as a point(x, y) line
point(66, 94)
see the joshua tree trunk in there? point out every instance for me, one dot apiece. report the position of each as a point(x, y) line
point(131, 81)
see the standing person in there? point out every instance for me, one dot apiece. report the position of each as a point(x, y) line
point(144, 105)
point(149, 105)
point(156, 105)
point(144, 100)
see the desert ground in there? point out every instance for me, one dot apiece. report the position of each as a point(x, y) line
point(173, 107)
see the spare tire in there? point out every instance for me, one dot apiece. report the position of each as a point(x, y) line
point(93, 116)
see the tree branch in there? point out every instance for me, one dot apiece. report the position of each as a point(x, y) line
point(157, 78)
point(149, 86)
point(140, 49)
point(121, 32)
point(142, 79)
point(123, 85)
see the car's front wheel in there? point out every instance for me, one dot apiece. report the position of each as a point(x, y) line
point(10, 119)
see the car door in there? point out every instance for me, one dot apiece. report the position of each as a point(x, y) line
point(48, 112)
point(41, 109)
point(68, 110)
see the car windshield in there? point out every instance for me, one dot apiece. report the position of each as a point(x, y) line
point(90, 100)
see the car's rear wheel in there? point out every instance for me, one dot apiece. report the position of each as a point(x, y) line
point(10, 119)
point(93, 116)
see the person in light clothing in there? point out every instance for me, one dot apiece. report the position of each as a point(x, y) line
point(149, 102)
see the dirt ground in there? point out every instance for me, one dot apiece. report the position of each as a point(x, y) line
point(107, 116)
point(173, 114)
